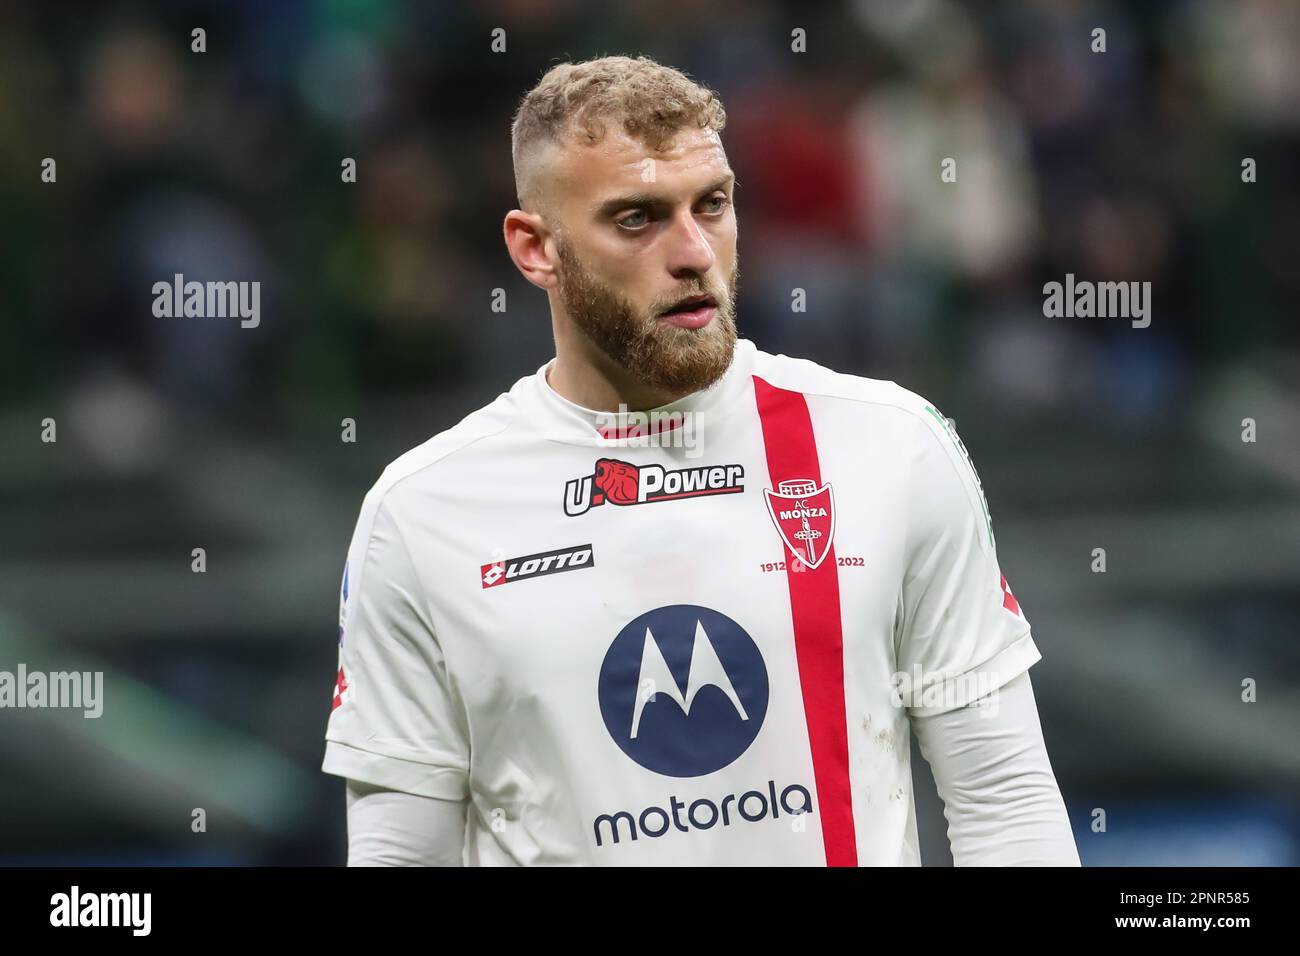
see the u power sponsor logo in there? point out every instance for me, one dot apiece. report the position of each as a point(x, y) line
point(536, 565)
point(622, 483)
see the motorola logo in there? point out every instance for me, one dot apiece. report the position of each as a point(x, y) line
point(683, 690)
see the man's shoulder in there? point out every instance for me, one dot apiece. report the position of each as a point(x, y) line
point(812, 379)
point(476, 432)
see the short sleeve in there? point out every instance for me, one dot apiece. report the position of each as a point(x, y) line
point(396, 721)
point(960, 632)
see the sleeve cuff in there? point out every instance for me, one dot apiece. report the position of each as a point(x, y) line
point(958, 691)
point(394, 773)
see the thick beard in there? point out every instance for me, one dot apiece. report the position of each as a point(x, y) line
point(663, 356)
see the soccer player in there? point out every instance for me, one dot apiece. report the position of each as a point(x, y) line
point(673, 600)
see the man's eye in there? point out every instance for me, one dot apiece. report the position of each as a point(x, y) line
point(719, 203)
point(634, 220)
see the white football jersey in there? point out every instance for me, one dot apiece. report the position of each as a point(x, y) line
point(685, 637)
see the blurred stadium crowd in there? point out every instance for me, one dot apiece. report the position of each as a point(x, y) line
point(376, 298)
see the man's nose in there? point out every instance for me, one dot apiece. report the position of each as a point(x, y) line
point(689, 248)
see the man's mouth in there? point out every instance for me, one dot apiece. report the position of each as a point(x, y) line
point(693, 312)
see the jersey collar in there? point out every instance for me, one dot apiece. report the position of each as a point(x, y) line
point(563, 420)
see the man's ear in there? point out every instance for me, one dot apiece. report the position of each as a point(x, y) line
point(526, 236)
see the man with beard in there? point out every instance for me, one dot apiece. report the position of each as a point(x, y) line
point(673, 600)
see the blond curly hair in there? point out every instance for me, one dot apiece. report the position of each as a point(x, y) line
point(653, 103)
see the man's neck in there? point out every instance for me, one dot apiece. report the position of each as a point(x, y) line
point(601, 385)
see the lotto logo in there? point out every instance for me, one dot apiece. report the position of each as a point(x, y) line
point(536, 565)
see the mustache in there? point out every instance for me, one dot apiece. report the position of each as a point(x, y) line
point(720, 296)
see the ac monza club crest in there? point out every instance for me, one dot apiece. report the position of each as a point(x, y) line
point(804, 516)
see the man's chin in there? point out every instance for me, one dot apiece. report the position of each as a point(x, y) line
point(684, 360)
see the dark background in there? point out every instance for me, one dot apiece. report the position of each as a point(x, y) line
point(376, 305)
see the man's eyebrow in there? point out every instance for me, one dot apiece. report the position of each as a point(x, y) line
point(611, 206)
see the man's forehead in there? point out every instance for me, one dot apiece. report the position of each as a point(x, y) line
point(618, 161)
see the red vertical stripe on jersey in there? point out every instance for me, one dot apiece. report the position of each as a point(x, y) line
point(791, 452)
